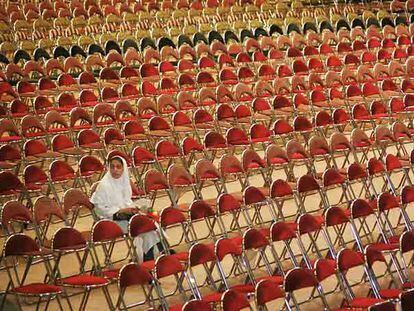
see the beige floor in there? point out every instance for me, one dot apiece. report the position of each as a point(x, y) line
point(97, 301)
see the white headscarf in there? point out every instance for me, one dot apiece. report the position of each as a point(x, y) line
point(112, 194)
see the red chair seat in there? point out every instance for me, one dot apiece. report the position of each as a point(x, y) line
point(319, 151)
point(7, 139)
point(362, 143)
point(364, 302)
point(390, 293)
point(181, 181)
point(5, 165)
point(64, 177)
point(385, 246)
point(181, 256)
point(137, 137)
point(254, 165)
point(276, 160)
point(178, 307)
point(298, 156)
point(260, 139)
point(341, 147)
point(214, 297)
point(37, 289)
point(149, 264)
point(84, 280)
point(408, 285)
point(111, 274)
point(96, 145)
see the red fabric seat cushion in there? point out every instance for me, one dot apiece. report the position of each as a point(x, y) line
point(390, 293)
point(84, 280)
point(364, 302)
point(37, 289)
point(276, 160)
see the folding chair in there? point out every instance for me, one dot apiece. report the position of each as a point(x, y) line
point(90, 170)
point(168, 152)
point(351, 260)
point(142, 159)
point(300, 279)
point(334, 180)
point(154, 182)
point(46, 213)
point(402, 135)
point(253, 164)
point(206, 174)
point(68, 241)
point(256, 200)
point(298, 157)
point(282, 130)
point(140, 225)
point(228, 206)
point(11, 187)
point(277, 160)
point(62, 175)
point(214, 142)
point(105, 238)
point(22, 249)
point(257, 240)
point(313, 241)
point(338, 228)
point(202, 260)
point(232, 170)
point(364, 230)
point(362, 145)
point(133, 275)
point(192, 149)
point(15, 217)
point(284, 198)
point(308, 189)
point(391, 285)
point(320, 152)
point(340, 147)
point(377, 176)
point(169, 268)
point(384, 139)
point(399, 167)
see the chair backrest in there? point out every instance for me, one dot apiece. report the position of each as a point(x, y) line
point(407, 300)
point(139, 224)
point(267, 291)
point(232, 300)
point(133, 274)
point(197, 305)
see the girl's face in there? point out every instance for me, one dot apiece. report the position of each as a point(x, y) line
point(116, 168)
